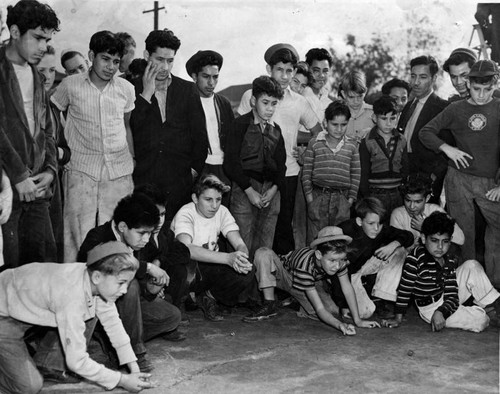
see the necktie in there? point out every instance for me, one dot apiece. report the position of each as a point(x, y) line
point(408, 115)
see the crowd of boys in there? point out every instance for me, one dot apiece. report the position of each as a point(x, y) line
point(164, 201)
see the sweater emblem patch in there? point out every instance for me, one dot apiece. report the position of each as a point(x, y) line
point(477, 122)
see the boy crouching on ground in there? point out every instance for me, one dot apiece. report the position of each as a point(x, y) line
point(298, 271)
point(439, 287)
point(70, 297)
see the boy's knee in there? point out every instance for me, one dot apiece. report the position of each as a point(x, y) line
point(471, 265)
point(29, 385)
point(262, 255)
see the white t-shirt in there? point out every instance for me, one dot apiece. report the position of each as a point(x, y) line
point(215, 155)
point(203, 231)
point(24, 75)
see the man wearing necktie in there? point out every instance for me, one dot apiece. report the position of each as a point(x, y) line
point(415, 115)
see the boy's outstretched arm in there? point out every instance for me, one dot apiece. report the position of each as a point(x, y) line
point(352, 302)
point(327, 317)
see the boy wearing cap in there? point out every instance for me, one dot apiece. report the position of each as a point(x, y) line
point(204, 67)
point(298, 272)
point(292, 111)
point(473, 167)
point(71, 297)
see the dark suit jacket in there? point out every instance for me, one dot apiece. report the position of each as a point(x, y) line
point(24, 154)
point(423, 159)
point(99, 235)
point(166, 152)
point(226, 116)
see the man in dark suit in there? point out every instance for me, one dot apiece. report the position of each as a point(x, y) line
point(168, 125)
point(415, 115)
point(204, 68)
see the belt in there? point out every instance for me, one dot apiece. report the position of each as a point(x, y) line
point(329, 189)
point(428, 300)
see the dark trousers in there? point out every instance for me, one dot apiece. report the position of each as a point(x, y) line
point(28, 235)
point(439, 172)
point(283, 236)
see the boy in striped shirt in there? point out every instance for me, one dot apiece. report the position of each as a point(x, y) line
point(440, 287)
point(298, 273)
point(331, 172)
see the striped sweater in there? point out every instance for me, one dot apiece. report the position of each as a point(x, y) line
point(324, 168)
point(424, 277)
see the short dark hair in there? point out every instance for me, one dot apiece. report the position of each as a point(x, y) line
point(486, 80)
point(283, 55)
point(318, 54)
point(136, 210)
point(126, 38)
point(384, 105)
point(106, 42)
point(162, 39)
point(266, 85)
point(30, 14)
point(208, 60)
point(69, 55)
point(137, 66)
point(153, 192)
point(426, 60)
point(210, 181)
point(438, 223)
point(418, 183)
point(370, 205)
point(50, 50)
point(336, 246)
point(395, 83)
point(303, 69)
point(337, 108)
point(456, 59)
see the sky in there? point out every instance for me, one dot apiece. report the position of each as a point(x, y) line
point(242, 30)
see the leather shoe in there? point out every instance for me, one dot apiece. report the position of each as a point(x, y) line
point(53, 375)
point(174, 336)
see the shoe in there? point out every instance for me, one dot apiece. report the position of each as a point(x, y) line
point(174, 336)
point(53, 375)
point(144, 363)
point(267, 310)
point(209, 307)
point(385, 310)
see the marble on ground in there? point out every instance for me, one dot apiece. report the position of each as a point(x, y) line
point(296, 355)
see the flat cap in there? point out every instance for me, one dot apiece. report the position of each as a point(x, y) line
point(276, 47)
point(464, 51)
point(483, 68)
point(191, 63)
point(106, 249)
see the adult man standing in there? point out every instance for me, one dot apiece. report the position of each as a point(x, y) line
point(168, 125)
point(416, 114)
point(28, 146)
point(458, 67)
point(204, 68)
point(292, 112)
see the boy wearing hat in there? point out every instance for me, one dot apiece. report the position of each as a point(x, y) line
point(473, 167)
point(204, 67)
point(297, 273)
point(292, 111)
point(458, 66)
point(70, 297)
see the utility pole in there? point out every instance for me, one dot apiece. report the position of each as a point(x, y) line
point(156, 11)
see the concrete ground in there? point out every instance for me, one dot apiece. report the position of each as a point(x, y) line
point(296, 355)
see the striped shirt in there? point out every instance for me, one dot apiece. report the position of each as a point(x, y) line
point(424, 277)
point(95, 126)
point(324, 168)
point(301, 264)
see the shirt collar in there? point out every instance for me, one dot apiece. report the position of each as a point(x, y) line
point(257, 121)
point(164, 85)
point(423, 100)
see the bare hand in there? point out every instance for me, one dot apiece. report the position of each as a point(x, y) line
point(416, 222)
point(135, 382)
point(457, 156)
point(239, 262)
point(438, 321)
point(384, 252)
point(367, 324)
point(149, 80)
point(347, 329)
point(42, 181)
point(27, 190)
point(254, 197)
point(268, 196)
point(493, 194)
point(160, 277)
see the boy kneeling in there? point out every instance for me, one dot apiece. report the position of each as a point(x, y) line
point(439, 287)
point(70, 297)
point(298, 271)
